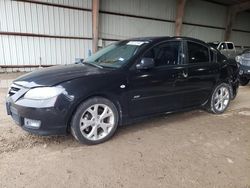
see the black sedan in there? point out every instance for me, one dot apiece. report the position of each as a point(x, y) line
point(121, 83)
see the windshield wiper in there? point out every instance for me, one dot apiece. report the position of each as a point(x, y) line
point(92, 64)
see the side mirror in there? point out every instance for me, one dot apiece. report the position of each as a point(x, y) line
point(146, 63)
point(79, 60)
point(238, 59)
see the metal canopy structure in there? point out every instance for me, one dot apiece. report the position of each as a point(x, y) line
point(234, 8)
point(228, 2)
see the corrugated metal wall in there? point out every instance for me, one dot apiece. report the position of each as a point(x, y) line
point(203, 20)
point(208, 20)
point(121, 27)
point(241, 32)
point(214, 15)
point(59, 32)
point(205, 13)
point(52, 32)
point(132, 18)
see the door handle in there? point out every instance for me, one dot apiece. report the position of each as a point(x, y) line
point(184, 74)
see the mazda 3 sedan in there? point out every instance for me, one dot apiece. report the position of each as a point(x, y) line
point(122, 83)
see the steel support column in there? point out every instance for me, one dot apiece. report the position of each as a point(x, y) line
point(179, 17)
point(95, 24)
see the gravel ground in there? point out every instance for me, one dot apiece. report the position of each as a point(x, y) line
point(191, 149)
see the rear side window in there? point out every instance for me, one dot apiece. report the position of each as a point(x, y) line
point(230, 46)
point(165, 54)
point(197, 53)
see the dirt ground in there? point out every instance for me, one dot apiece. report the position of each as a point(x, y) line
point(191, 149)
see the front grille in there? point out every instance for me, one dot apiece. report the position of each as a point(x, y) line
point(13, 89)
point(246, 59)
point(246, 62)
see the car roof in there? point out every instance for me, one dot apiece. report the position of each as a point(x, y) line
point(162, 38)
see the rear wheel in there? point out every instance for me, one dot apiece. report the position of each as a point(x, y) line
point(95, 121)
point(244, 81)
point(220, 99)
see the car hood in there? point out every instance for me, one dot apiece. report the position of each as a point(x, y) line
point(246, 56)
point(57, 74)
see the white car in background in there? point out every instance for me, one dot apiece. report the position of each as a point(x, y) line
point(226, 48)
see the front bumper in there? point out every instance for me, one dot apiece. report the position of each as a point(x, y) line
point(52, 114)
point(244, 71)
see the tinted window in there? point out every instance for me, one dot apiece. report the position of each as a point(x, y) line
point(197, 53)
point(230, 46)
point(165, 54)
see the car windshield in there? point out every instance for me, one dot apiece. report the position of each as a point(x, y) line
point(246, 55)
point(247, 51)
point(115, 55)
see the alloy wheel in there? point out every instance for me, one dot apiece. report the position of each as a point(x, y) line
point(97, 122)
point(221, 99)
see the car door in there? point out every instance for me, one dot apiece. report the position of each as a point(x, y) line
point(158, 89)
point(203, 71)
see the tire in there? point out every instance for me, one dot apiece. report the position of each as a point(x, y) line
point(95, 121)
point(220, 99)
point(244, 81)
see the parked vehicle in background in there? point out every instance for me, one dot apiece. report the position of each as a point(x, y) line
point(226, 48)
point(244, 60)
point(124, 82)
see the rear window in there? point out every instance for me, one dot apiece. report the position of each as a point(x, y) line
point(230, 46)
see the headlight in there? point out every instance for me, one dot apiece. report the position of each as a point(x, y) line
point(238, 59)
point(41, 93)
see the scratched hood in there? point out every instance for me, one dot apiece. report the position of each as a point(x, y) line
point(57, 74)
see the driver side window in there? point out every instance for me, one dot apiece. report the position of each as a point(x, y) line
point(165, 54)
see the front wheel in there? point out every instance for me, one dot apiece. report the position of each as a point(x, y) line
point(244, 81)
point(220, 99)
point(95, 121)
